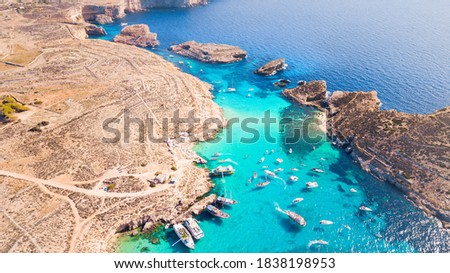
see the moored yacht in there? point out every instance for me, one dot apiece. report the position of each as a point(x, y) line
point(296, 201)
point(293, 178)
point(364, 208)
point(192, 225)
point(219, 171)
point(217, 212)
point(184, 235)
point(226, 201)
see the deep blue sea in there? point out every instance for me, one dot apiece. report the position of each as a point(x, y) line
point(399, 48)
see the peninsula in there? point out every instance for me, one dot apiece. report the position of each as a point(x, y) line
point(409, 151)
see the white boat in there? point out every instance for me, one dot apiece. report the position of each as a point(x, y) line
point(326, 222)
point(296, 201)
point(123, 24)
point(263, 184)
point(255, 175)
point(265, 167)
point(290, 150)
point(171, 56)
point(347, 227)
point(192, 225)
point(226, 201)
point(261, 160)
point(293, 178)
point(317, 170)
point(279, 160)
point(353, 190)
point(364, 208)
point(269, 173)
point(278, 170)
point(220, 171)
point(273, 151)
point(184, 235)
point(323, 159)
point(231, 89)
point(267, 152)
point(294, 169)
point(296, 217)
point(311, 185)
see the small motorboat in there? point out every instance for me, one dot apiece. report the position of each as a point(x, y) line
point(353, 190)
point(293, 178)
point(347, 227)
point(231, 89)
point(265, 167)
point(279, 160)
point(123, 24)
point(267, 152)
point(184, 235)
point(263, 184)
point(323, 159)
point(294, 169)
point(269, 173)
point(311, 185)
point(278, 170)
point(317, 170)
point(192, 225)
point(290, 150)
point(364, 208)
point(261, 160)
point(171, 56)
point(200, 160)
point(273, 151)
point(296, 201)
point(217, 212)
point(326, 222)
point(226, 201)
point(181, 62)
point(296, 217)
point(255, 175)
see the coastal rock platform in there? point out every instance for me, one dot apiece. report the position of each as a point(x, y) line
point(210, 53)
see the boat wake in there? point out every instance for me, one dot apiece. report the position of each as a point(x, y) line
point(229, 160)
point(277, 207)
point(317, 242)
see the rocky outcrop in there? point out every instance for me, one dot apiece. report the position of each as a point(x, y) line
point(103, 13)
point(272, 67)
point(311, 93)
point(210, 53)
point(408, 151)
point(102, 19)
point(93, 30)
point(138, 35)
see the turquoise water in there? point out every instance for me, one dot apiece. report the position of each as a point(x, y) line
point(255, 225)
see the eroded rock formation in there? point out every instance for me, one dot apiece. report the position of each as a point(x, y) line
point(138, 35)
point(93, 30)
point(271, 68)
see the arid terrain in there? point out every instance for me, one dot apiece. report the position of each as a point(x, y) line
point(62, 188)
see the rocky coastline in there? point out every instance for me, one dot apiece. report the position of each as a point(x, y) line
point(407, 150)
point(138, 35)
point(80, 188)
point(271, 68)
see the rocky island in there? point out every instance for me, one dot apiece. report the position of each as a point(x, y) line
point(271, 68)
point(409, 151)
point(138, 35)
point(62, 187)
point(311, 93)
point(210, 53)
